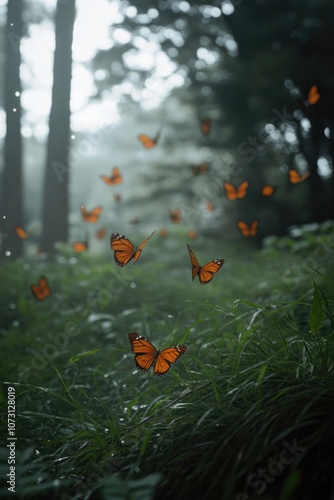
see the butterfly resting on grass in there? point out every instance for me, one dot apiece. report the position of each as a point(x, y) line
point(205, 273)
point(124, 250)
point(146, 355)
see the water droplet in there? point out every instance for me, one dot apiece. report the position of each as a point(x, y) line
point(3, 216)
point(8, 253)
point(14, 109)
point(72, 136)
point(17, 93)
point(133, 285)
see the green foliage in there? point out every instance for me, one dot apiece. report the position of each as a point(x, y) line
point(255, 387)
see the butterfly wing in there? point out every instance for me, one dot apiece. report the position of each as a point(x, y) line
point(123, 249)
point(243, 228)
point(146, 141)
point(313, 95)
point(145, 352)
point(253, 228)
point(230, 191)
point(21, 233)
point(207, 272)
point(194, 262)
point(242, 190)
point(139, 250)
point(167, 357)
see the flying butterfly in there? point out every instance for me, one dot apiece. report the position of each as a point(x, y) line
point(21, 233)
point(149, 142)
point(210, 206)
point(92, 216)
point(192, 235)
point(267, 190)
point(100, 233)
point(313, 95)
point(205, 273)
point(206, 126)
point(296, 178)
point(163, 233)
point(248, 230)
point(115, 178)
point(175, 215)
point(124, 250)
point(199, 169)
point(80, 246)
point(146, 355)
point(42, 290)
point(233, 193)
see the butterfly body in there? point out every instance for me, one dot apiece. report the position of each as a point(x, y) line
point(124, 250)
point(205, 273)
point(146, 355)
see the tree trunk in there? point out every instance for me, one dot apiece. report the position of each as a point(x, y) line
point(56, 182)
point(12, 202)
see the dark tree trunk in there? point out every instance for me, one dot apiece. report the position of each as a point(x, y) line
point(56, 183)
point(12, 202)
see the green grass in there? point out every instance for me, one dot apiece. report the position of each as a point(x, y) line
point(247, 412)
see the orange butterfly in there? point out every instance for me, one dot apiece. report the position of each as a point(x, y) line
point(267, 190)
point(192, 235)
point(205, 273)
point(175, 215)
point(149, 142)
point(206, 126)
point(100, 233)
point(92, 216)
point(79, 246)
point(200, 169)
point(124, 250)
point(147, 355)
point(21, 233)
point(233, 193)
point(42, 290)
point(248, 230)
point(210, 206)
point(115, 178)
point(313, 95)
point(163, 233)
point(296, 178)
